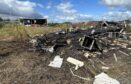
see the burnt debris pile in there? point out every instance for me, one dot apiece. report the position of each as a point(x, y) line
point(91, 39)
point(76, 45)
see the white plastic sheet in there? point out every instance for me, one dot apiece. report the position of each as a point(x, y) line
point(57, 62)
point(104, 79)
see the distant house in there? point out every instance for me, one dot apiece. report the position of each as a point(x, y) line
point(34, 22)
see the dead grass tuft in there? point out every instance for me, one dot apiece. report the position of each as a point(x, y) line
point(21, 33)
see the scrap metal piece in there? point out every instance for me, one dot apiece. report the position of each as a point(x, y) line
point(87, 42)
point(91, 44)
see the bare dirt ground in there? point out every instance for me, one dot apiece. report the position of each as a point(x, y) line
point(20, 66)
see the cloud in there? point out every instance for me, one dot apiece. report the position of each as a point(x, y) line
point(49, 5)
point(118, 3)
point(46, 16)
point(66, 8)
point(117, 15)
point(4, 16)
point(19, 8)
point(86, 17)
point(40, 5)
point(62, 18)
point(75, 18)
point(67, 13)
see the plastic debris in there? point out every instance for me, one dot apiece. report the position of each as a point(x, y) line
point(123, 53)
point(105, 68)
point(115, 57)
point(68, 41)
point(57, 62)
point(87, 55)
point(129, 48)
point(51, 49)
point(75, 62)
point(104, 79)
point(78, 75)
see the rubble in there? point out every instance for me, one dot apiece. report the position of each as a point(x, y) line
point(92, 39)
point(90, 42)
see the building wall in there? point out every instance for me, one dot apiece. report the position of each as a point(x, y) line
point(37, 22)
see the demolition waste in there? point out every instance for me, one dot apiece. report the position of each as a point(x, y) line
point(90, 42)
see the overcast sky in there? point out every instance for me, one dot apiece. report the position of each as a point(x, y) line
point(66, 10)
